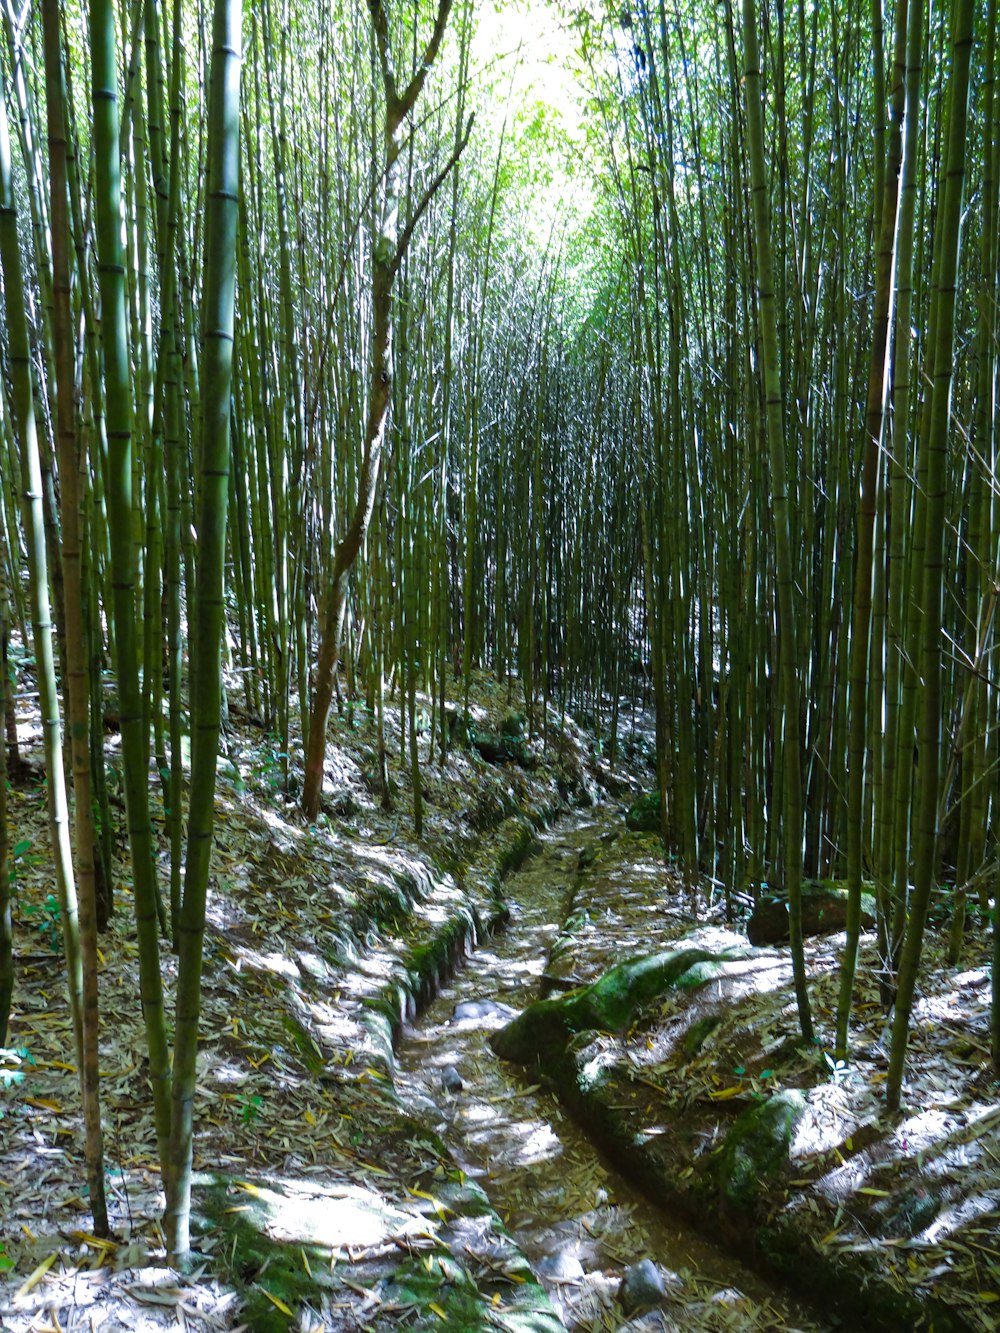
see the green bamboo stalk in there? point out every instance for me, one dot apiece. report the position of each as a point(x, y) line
point(6, 923)
point(77, 687)
point(118, 399)
point(941, 342)
point(861, 606)
point(787, 678)
point(25, 431)
point(218, 312)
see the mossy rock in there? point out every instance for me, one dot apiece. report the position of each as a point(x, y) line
point(700, 973)
point(268, 1229)
point(755, 1151)
point(644, 816)
point(609, 1004)
point(698, 1033)
point(497, 748)
point(512, 724)
point(443, 1296)
point(824, 911)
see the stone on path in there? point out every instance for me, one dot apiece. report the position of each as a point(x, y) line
point(478, 1010)
point(451, 1079)
point(642, 1286)
point(563, 1266)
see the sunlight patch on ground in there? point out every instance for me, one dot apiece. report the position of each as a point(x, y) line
point(831, 1116)
point(224, 1073)
point(348, 1215)
point(920, 1132)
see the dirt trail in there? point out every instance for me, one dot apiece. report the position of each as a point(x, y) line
point(575, 1218)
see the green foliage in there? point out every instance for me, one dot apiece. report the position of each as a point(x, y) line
point(644, 815)
point(20, 853)
point(268, 763)
point(250, 1108)
point(47, 920)
point(12, 1058)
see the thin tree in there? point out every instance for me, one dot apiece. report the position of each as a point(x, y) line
point(388, 251)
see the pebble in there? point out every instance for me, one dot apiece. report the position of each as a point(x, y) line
point(470, 1010)
point(560, 1267)
point(642, 1286)
point(451, 1079)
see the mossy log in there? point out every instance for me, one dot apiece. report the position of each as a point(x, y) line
point(609, 1004)
point(824, 911)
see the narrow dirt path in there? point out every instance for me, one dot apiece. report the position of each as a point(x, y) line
point(580, 1224)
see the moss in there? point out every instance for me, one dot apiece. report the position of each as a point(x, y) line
point(304, 1044)
point(383, 1023)
point(755, 1151)
point(256, 1262)
point(698, 1033)
point(707, 970)
point(512, 724)
point(610, 1004)
point(446, 1298)
point(644, 816)
point(418, 1284)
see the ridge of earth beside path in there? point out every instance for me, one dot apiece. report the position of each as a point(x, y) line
point(318, 1201)
point(684, 1063)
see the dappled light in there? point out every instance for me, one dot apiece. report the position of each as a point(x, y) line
point(499, 720)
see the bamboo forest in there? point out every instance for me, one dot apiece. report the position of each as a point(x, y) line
point(499, 560)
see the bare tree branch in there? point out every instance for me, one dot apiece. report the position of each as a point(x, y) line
point(429, 193)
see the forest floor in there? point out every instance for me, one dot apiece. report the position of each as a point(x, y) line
point(322, 1203)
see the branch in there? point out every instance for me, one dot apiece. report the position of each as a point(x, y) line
point(404, 240)
point(380, 23)
point(413, 90)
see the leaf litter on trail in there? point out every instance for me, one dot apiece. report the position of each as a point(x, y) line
point(290, 1084)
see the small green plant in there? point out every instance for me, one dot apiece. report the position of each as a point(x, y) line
point(250, 1108)
point(11, 1074)
point(18, 855)
point(11, 1059)
point(837, 1068)
point(269, 765)
point(6, 1262)
point(47, 919)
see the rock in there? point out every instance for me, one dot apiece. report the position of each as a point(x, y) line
point(563, 1266)
point(698, 1033)
point(824, 911)
point(907, 1215)
point(499, 749)
point(343, 805)
point(451, 1079)
point(477, 1010)
point(642, 1286)
point(428, 1110)
point(644, 815)
point(755, 1151)
point(512, 725)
